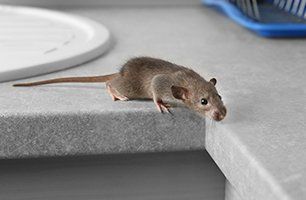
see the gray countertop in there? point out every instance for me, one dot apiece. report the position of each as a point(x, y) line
point(260, 146)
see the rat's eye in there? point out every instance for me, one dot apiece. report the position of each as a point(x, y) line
point(204, 101)
point(220, 97)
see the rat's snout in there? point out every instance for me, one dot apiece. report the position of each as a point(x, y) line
point(219, 115)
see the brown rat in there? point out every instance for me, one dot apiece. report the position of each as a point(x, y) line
point(151, 78)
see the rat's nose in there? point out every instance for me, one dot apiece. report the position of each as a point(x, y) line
point(219, 115)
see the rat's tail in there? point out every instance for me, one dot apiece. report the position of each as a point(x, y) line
point(70, 79)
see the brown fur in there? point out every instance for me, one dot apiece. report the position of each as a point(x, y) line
point(151, 78)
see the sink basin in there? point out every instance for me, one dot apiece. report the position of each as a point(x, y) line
point(35, 41)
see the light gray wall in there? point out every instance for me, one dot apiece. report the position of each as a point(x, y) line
point(99, 2)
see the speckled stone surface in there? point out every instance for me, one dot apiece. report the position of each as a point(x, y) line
point(230, 192)
point(260, 146)
point(95, 132)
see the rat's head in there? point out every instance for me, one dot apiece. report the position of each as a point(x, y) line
point(204, 99)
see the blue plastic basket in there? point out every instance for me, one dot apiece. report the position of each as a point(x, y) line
point(273, 23)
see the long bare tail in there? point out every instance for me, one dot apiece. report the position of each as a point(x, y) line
point(70, 79)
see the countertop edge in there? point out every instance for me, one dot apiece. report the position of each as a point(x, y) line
point(99, 132)
point(246, 174)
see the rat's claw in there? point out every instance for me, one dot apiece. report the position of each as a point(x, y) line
point(110, 93)
point(122, 98)
point(165, 108)
point(161, 106)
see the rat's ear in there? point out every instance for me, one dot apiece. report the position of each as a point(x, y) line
point(180, 92)
point(213, 81)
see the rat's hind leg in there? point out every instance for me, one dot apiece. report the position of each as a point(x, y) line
point(160, 87)
point(114, 93)
point(110, 93)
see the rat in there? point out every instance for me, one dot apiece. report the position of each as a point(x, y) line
point(157, 79)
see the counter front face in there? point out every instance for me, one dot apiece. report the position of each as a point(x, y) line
point(181, 175)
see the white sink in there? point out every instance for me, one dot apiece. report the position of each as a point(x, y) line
point(35, 41)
